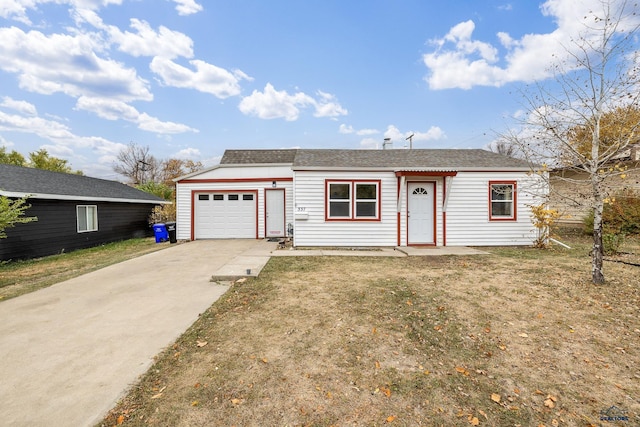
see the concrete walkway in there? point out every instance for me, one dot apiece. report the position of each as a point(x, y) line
point(70, 351)
point(403, 251)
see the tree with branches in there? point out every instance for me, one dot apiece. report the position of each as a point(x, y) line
point(585, 118)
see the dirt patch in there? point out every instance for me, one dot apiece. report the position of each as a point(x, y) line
point(519, 337)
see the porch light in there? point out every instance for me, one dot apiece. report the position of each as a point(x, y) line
point(273, 184)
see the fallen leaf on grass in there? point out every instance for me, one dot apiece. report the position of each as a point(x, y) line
point(386, 391)
point(265, 360)
point(495, 397)
point(461, 370)
point(120, 420)
point(555, 423)
point(236, 401)
point(549, 404)
point(201, 343)
point(474, 421)
point(391, 418)
point(195, 403)
point(155, 396)
point(377, 365)
point(523, 335)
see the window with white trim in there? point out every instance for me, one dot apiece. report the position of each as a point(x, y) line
point(87, 218)
point(353, 200)
point(502, 204)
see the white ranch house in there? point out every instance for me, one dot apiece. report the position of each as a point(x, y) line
point(362, 198)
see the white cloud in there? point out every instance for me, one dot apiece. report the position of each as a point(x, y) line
point(399, 138)
point(273, 104)
point(143, 41)
point(188, 154)
point(345, 129)
point(206, 78)
point(112, 109)
point(18, 9)
point(67, 64)
point(459, 61)
point(152, 124)
point(328, 106)
point(58, 134)
point(361, 132)
point(23, 107)
point(187, 7)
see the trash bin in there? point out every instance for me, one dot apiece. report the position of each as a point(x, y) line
point(171, 230)
point(160, 231)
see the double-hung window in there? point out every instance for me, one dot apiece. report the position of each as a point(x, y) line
point(502, 203)
point(353, 200)
point(87, 216)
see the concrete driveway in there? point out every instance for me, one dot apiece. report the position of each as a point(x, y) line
point(70, 351)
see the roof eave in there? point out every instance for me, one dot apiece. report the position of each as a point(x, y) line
point(19, 195)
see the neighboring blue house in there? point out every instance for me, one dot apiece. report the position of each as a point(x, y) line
point(73, 212)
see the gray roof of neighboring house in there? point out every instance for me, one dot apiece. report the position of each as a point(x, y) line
point(17, 181)
point(239, 157)
point(381, 159)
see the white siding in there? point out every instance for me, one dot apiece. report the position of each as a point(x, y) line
point(235, 179)
point(309, 189)
point(468, 210)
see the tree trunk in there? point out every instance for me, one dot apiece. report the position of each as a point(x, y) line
point(597, 275)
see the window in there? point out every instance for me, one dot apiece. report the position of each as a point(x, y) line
point(502, 205)
point(218, 197)
point(203, 197)
point(247, 197)
point(233, 197)
point(353, 200)
point(87, 217)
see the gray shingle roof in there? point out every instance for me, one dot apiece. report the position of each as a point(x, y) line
point(384, 159)
point(16, 180)
point(398, 159)
point(237, 157)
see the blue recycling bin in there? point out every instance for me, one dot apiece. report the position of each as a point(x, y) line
point(161, 233)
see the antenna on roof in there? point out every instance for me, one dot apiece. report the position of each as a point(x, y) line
point(410, 138)
point(387, 141)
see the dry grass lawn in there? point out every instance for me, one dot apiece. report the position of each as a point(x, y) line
point(518, 337)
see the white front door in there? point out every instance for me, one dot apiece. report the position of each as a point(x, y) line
point(421, 213)
point(274, 212)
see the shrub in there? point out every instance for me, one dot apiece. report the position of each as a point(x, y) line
point(621, 215)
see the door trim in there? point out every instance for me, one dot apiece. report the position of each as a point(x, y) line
point(435, 236)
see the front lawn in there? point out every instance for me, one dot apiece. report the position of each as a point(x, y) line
point(518, 337)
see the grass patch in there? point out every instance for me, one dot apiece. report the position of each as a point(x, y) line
point(21, 277)
point(519, 337)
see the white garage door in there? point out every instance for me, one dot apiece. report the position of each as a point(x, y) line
point(225, 215)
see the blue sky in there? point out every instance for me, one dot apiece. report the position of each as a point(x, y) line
point(191, 78)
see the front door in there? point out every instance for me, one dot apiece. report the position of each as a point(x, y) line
point(421, 213)
point(274, 212)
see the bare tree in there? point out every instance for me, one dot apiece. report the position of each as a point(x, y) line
point(137, 164)
point(598, 76)
point(505, 147)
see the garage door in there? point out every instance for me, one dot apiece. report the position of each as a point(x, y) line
point(225, 215)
